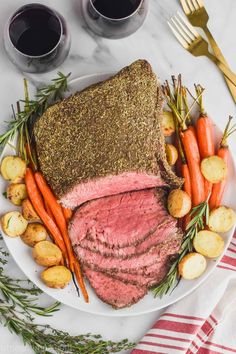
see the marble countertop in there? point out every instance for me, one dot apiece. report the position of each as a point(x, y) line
point(91, 54)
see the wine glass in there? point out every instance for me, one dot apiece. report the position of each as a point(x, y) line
point(36, 38)
point(114, 18)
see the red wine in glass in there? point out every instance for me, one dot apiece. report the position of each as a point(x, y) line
point(114, 18)
point(36, 38)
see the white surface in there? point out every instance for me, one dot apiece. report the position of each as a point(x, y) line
point(90, 54)
point(68, 296)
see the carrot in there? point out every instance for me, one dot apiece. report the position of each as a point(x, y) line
point(223, 152)
point(193, 129)
point(80, 280)
point(206, 145)
point(191, 150)
point(48, 210)
point(205, 136)
point(67, 214)
point(184, 172)
point(187, 181)
point(38, 205)
point(57, 212)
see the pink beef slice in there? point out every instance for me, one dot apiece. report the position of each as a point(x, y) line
point(113, 291)
point(161, 233)
point(106, 139)
point(121, 220)
point(129, 265)
point(143, 280)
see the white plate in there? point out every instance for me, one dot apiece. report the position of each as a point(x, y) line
point(22, 254)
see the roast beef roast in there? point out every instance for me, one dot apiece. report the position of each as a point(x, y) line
point(128, 237)
point(121, 220)
point(113, 291)
point(162, 232)
point(127, 265)
point(120, 289)
point(106, 139)
point(102, 151)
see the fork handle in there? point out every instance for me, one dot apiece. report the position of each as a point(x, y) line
point(220, 56)
point(224, 69)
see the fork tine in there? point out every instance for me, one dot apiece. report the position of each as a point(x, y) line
point(181, 40)
point(195, 4)
point(190, 5)
point(181, 29)
point(185, 7)
point(200, 3)
point(187, 24)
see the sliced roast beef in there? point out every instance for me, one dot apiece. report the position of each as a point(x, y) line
point(129, 265)
point(112, 291)
point(121, 220)
point(161, 233)
point(143, 280)
point(106, 139)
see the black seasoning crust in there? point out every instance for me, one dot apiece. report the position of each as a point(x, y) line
point(106, 129)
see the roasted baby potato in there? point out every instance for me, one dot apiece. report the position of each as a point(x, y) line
point(13, 224)
point(192, 266)
point(28, 211)
point(171, 154)
point(16, 193)
point(47, 254)
point(221, 219)
point(214, 169)
point(208, 243)
point(34, 233)
point(56, 277)
point(168, 123)
point(178, 203)
point(13, 168)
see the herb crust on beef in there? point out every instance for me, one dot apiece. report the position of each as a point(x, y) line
point(105, 130)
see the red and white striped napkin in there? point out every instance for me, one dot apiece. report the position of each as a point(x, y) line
point(203, 322)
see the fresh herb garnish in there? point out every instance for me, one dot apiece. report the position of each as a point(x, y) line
point(32, 108)
point(4, 194)
point(200, 215)
point(18, 299)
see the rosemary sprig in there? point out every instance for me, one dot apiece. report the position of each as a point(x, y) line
point(200, 215)
point(32, 108)
point(18, 300)
point(44, 339)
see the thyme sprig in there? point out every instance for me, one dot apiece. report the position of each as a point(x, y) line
point(200, 215)
point(32, 108)
point(18, 300)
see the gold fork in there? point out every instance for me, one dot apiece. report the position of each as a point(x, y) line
point(191, 40)
point(198, 17)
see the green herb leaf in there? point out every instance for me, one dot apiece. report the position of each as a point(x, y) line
point(33, 108)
